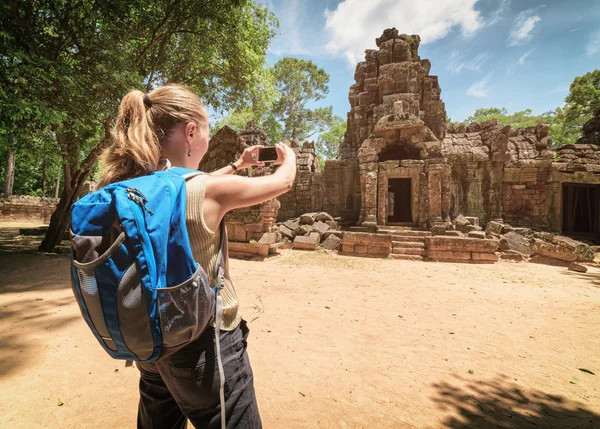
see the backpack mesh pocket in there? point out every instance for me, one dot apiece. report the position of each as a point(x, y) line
point(185, 310)
point(91, 298)
point(132, 314)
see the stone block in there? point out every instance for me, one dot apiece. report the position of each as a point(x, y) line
point(477, 234)
point(514, 241)
point(332, 224)
point(512, 255)
point(332, 242)
point(320, 227)
point(324, 217)
point(473, 220)
point(338, 234)
point(581, 251)
point(303, 230)
point(307, 218)
point(493, 227)
point(361, 249)
point(315, 236)
point(286, 232)
point(306, 243)
point(291, 224)
point(484, 257)
point(448, 256)
point(553, 251)
point(460, 221)
point(268, 238)
point(347, 248)
point(461, 244)
point(454, 233)
point(574, 266)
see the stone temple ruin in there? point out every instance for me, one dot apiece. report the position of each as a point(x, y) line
point(409, 185)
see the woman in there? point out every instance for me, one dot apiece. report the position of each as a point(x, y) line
point(169, 125)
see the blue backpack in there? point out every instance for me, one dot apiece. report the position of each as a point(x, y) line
point(133, 274)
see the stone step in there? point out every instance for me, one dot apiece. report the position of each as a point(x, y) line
point(406, 257)
point(408, 238)
point(409, 233)
point(405, 251)
point(409, 244)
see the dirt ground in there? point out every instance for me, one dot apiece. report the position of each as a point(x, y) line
point(335, 342)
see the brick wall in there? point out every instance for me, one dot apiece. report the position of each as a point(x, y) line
point(28, 209)
point(366, 244)
point(524, 203)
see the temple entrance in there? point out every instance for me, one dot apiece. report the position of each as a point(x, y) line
point(581, 210)
point(399, 201)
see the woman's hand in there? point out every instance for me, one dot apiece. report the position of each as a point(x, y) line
point(284, 152)
point(249, 158)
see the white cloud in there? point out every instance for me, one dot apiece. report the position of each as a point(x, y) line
point(458, 62)
point(522, 58)
point(498, 15)
point(573, 30)
point(521, 61)
point(353, 26)
point(479, 88)
point(593, 45)
point(524, 25)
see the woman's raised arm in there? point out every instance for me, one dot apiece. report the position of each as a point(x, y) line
point(228, 192)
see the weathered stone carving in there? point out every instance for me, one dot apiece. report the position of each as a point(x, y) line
point(393, 73)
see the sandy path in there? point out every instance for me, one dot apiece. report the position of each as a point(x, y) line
point(336, 342)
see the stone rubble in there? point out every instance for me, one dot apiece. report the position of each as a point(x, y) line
point(310, 230)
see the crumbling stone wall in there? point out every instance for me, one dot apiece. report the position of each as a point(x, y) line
point(247, 223)
point(26, 208)
point(499, 172)
point(341, 189)
point(394, 72)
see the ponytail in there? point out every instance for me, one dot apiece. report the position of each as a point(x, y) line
point(142, 124)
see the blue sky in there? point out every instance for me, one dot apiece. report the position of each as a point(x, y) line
point(501, 53)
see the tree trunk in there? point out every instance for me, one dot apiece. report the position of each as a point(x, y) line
point(73, 181)
point(57, 183)
point(44, 177)
point(9, 172)
point(62, 215)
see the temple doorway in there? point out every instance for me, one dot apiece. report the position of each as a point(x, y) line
point(399, 201)
point(581, 210)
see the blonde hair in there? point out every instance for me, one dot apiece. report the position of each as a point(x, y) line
point(143, 125)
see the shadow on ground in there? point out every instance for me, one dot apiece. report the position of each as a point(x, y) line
point(23, 272)
point(592, 278)
point(500, 404)
point(34, 289)
point(25, 320)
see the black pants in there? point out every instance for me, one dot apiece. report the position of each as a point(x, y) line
point(185, 385)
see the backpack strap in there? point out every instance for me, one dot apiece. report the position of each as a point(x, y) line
point(220, 283)
point(219, 317)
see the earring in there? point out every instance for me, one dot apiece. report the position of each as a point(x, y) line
point(190, 152)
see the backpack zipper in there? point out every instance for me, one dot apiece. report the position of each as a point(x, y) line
point(137, 197)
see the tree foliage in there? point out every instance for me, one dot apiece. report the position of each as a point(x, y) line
point(328, 143)
point(299, 82)
point(565, 122)
point(521, 119)
point(73, 61)
point(286, 91)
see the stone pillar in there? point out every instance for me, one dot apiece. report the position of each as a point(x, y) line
point(446, 193)
point(368, 189)
point(496, 177)
point(554, 206)
point(434, 192)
